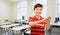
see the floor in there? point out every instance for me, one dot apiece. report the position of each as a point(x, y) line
point(11, 33)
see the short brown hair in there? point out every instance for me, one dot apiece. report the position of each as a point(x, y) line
point(38, 5)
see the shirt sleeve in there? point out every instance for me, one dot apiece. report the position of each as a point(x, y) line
point(31, 19)
point(44, 21)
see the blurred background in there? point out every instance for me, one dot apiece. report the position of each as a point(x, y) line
point(18, 11)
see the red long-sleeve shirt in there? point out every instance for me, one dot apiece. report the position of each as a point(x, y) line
point(37, 29)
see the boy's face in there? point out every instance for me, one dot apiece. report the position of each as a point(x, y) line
point(38, 11)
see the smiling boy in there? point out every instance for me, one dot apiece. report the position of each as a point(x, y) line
point(37, 22)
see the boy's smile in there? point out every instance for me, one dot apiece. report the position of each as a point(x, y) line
point(38, 11)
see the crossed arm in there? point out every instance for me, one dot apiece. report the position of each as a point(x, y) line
point(47, 20)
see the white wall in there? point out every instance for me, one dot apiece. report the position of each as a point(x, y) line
point(30, 8)
point(4, 10)
point(8, 9)
point(52, 9)
point(14, 9)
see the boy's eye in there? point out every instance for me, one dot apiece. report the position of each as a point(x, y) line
point(37, 9)
point(40, 9)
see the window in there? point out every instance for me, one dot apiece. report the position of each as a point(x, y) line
point(44, 3)
point(22, 9)
point(58, 8)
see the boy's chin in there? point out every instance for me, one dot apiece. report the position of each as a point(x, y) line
point(38, 14)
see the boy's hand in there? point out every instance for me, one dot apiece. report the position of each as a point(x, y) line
point(47, 19)
point(47, 26)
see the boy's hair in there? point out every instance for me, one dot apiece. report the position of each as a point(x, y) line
point(38, 5)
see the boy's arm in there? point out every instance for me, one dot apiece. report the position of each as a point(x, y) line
point(47, 26)
point(47, 19)
point(36, 22)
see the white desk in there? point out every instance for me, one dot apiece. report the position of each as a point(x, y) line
point(5, 23)
point(56, 24)
point(7, 26)
point(20, 27)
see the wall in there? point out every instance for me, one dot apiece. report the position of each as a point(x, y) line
point(52, 9)
point(14, 10)
point(8, 9)
point(30, 8)
point(4, 10)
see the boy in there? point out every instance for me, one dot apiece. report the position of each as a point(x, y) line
point(37, 22)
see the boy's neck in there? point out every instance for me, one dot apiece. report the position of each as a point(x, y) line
point(38, 16)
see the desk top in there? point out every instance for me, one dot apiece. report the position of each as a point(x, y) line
point(5, 23)
point(56, 24)
point(20, 27)
point(6, 26)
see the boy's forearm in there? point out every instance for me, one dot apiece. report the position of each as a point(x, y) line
point(47, 19)
point(36, 22)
